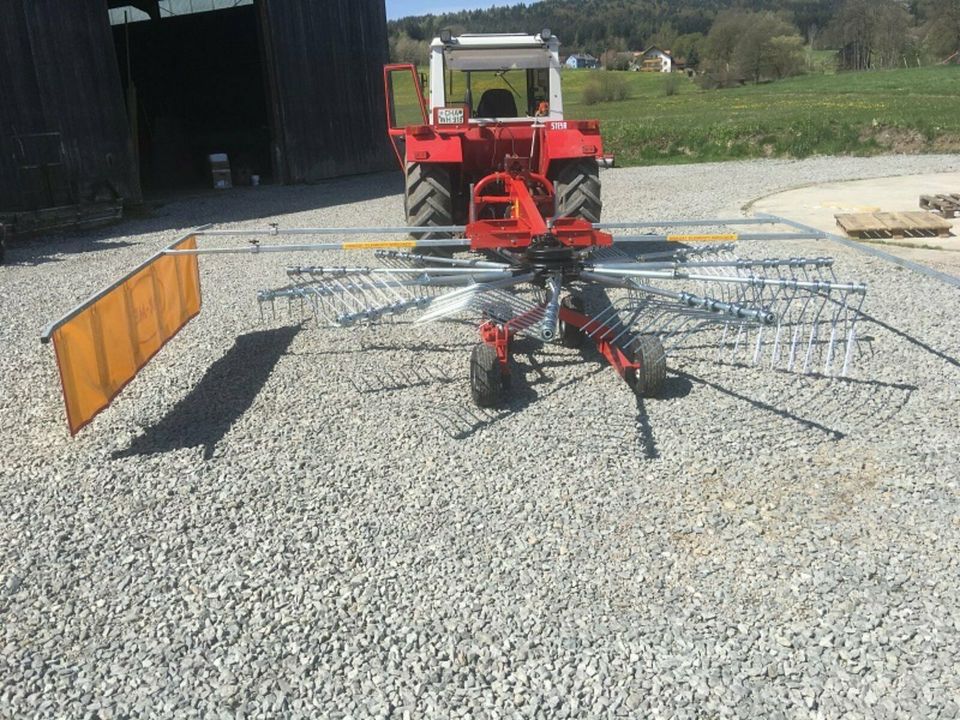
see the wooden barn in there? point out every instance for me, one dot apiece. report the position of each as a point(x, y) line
point(103, 100)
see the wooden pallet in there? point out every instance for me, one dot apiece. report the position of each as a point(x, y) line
point(75, 217)
point(893, 225)
point(946, 204)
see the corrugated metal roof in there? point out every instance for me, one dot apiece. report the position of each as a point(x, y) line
point(172, 8)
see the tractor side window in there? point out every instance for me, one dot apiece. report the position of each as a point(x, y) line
point(405, 108)
point(538, 89)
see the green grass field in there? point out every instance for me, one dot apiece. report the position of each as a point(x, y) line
point(865, 113)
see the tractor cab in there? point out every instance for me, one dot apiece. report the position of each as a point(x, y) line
point(501, 77)
point(492, 107)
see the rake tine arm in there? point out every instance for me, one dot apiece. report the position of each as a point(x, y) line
point(428, 260)
point(455, 301)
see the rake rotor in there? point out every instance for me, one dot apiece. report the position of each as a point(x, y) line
point(788, 314)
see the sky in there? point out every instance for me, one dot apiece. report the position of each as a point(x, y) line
point(402, 8)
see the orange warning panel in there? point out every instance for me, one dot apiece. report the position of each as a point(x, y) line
point(101, 347)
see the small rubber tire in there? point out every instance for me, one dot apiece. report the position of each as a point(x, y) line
point(486, 376)
point(648, 380)
point(570, 335)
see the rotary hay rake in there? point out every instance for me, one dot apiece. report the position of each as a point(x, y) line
point(524, 275)
point(790, 314)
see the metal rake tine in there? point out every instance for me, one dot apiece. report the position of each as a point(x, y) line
point(600, 320)
point(448, 303)
point(345, 297)
point(775, 354)
point(457, 300)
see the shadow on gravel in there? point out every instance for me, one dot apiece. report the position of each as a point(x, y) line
point(832, 433)
point(31, 252)
point(674, 388)
point(838, 404)
point(913, 340)
point(224, 393)
point(177, 212)
point(530, 381)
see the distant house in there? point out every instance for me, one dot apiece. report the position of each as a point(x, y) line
point(653, 59)
point(582, 60)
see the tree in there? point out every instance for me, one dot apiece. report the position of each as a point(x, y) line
point(664, 38)
point(786, 56)
point(405, 49)
point(870, 33)
point(766, 48)
point(722, 40)
point(942, 29)
point(751, 46)
point(889, 26)
point(688, 47)
point(616, 60)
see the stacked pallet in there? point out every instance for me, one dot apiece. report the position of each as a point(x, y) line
point(946, 204)
point(884, 225)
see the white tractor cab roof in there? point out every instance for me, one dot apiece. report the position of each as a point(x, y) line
point(499, 76)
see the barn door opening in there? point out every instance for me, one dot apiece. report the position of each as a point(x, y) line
point(194, 80)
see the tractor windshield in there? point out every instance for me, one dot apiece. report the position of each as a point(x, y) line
point(498, 83)
point(499, 93)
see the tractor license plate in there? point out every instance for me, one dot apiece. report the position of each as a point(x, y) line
point(451, 116)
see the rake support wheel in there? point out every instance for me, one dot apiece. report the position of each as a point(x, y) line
point(486, 376)
point(647, 381)
point(577, 187)
point(570, 335)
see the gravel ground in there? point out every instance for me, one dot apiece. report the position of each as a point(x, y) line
point(276, 520)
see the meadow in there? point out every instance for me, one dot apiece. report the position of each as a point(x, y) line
point(859, 113)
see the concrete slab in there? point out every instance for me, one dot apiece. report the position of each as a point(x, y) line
point(816, 205)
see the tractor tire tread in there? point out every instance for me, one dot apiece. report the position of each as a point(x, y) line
point(428, 198)
point(577, 188)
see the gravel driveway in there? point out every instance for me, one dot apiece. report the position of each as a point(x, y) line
point(276, 520)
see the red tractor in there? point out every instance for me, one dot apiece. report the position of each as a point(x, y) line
point(495, 110)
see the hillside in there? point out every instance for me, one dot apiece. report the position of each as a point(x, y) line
point(597, 25)
point(860, 113)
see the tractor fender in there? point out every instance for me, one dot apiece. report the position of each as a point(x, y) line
point(571, 139)
point(425, 145)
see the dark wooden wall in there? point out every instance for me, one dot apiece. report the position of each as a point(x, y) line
point(61, 106)
point(325, 63)
point(60, 84)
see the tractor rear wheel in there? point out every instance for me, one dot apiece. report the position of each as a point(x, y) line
point(648, 380)
point(428, 199)
point(577, 186)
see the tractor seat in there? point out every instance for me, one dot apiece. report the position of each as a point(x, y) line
point(497, 103)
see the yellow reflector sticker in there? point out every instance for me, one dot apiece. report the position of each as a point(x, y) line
point(105, 345)
point(382, 245)
point(729, 237)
